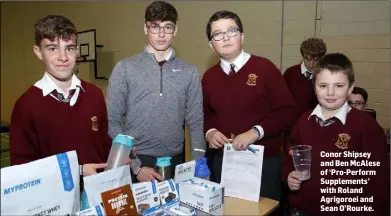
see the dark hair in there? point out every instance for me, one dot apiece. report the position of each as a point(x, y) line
point(313, 47)
point(161, 11)
point(223, 15)
point(362, 92)
point(54, 27)
point(335, 62)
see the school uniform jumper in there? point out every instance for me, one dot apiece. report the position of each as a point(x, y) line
point(42, 126)
point(299, 83)
point(256, 95)
point(349, 131)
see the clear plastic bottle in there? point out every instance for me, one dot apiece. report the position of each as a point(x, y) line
point(163, 167)
point(120, 151)
point(201, 169)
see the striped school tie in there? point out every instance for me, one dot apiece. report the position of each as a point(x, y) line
point(232, 70)
point(61, 97)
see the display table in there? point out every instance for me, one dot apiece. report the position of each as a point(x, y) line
point(233, 206)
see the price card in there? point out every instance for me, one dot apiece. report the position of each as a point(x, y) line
point(184, 171)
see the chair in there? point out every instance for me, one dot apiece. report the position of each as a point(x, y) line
point(371, 112)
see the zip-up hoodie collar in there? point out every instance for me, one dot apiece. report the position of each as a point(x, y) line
point(152, 56)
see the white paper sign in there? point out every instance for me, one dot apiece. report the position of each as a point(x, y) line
point(242, 172)
point(184, 171)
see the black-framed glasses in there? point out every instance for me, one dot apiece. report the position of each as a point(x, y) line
point(155, 28)
point(356, 103)
point(230, 33)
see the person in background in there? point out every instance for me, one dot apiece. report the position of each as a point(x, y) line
point(298, 78)
point(334, 130)
point(156, 93)
point(358, 98)
point(246, 101)
point(60, 112)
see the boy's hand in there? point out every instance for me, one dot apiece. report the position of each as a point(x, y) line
point(242, 141)
point(90, 169)
point(148, 174)
point(129, 160)
point(216, 139)
point(293, 181)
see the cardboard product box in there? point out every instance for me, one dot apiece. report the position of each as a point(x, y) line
point(159, 212)
point(146, 197)
point(180, 210)
point(96, 210)
point(168, 192)
point(197, 211)
point(119, 201)
point(204, 195)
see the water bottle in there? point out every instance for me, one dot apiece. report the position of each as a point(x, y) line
point(201, 169)
point(120, 151)
point(163, 167)
point(84, 201)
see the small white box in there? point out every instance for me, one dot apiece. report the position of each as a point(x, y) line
point(204, 195)
point(179, 210)
point(168, 193)
point(146, 197)
point(97, 210)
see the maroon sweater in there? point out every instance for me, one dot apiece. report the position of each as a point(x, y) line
point(42, 126)
point(301, 89)
point(234, 104)
point(366, 135)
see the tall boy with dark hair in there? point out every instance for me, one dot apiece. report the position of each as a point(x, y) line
point(60, 112)
point(246, 100)
point(336, 132)
point(157, 93)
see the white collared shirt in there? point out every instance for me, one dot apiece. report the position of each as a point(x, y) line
point(238, 62)
point(341, 113)
point(47, 85)
point(304, 69)
point(167, 57)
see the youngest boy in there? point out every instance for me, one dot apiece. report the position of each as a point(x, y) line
point(336, 132)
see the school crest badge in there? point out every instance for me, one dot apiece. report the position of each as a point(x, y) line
point(252, 80)
point(343, 141)
point(94, 123)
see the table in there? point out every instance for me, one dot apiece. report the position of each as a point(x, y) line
point(234, 206)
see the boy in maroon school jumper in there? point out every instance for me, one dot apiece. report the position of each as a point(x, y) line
point(246, 100)
point(298, 78)
point(60, 112)
point(336, 132)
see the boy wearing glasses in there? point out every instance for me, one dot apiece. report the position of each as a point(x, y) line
point(299, 77)
point(246, 101)
point(152, 95)
point(358, 99)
